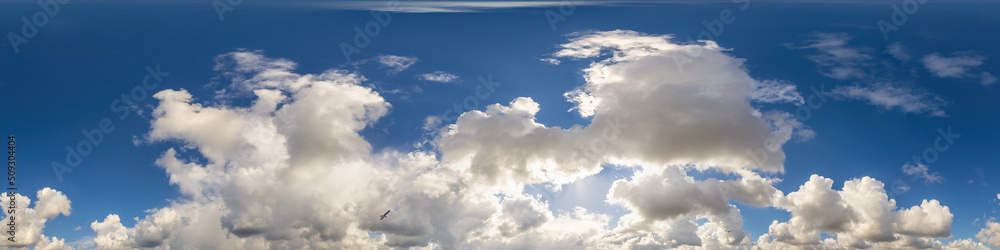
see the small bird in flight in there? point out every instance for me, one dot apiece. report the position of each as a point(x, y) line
point(383, 216)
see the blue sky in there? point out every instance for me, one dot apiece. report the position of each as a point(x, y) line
point(879, 101)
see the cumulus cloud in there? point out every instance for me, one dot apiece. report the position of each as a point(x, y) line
point(578, 229)
point(861, 215)
point(967, 244)
point(52, 243)
point(990, 234)
point(676, 93)
point(438, 76)
point(290, 170)
point(663, 204)
point(504, 146)
point(300, 136)
point(396, 63)
point(30, 220)
point(672, 194)
point(299, 131)
point(894, 96)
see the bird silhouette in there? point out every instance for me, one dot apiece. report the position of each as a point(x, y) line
point(383, 215)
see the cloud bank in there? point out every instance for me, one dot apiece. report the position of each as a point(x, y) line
point(291, 171)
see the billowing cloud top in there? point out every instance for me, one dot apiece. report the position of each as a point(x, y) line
point(682, 104)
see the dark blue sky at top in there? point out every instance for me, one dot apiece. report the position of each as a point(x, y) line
point(66, 78)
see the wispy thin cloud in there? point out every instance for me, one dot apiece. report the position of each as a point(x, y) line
point(438, 76)
point(890, 96)
point(958, 65)
point(836, 59)
point(920, 171)
point(552, 61)
point(483, 6)
point(396, 63)
point(954, 66)
point(898, 51)
point(448, 6)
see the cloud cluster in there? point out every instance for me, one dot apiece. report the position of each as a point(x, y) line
point(860, 215)
point(990, 234)
point(291, 171)
point(682, 104)
point(839, 60)
point(30, 220)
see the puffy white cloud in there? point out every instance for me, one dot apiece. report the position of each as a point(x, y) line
point(814, 206)
point(990, 234)
point(921, 171)
point(504, 146)
point(860, 215)
point(579, 229)
point(928, 219)
point(110, 233)
point(842, 241)
point(189, 225)
point(671, 193)
point(966, 244)
point(396, 63)
point(664, 203)
point(667, 195)
point(267, 166)
point(30, 220)
point(892, 96)
point(689, 98)
point(520, 214)
point(54, 243)
point(438, 76)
